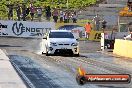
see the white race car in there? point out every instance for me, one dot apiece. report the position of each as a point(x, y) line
point(60, 42)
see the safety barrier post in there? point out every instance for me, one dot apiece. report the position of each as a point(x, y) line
point(102, 42)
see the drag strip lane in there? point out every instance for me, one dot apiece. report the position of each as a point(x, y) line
point(67, 68)
point(31, 73)
point(58, 76)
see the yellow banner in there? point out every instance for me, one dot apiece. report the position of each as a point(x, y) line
point(95, 35)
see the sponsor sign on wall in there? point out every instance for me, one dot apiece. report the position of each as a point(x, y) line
point(25, 29)
point(95, 35)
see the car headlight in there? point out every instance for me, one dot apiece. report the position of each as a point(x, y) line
point(74, 44)
point(53, 44)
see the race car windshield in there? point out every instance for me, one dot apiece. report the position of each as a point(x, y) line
point(61, 35)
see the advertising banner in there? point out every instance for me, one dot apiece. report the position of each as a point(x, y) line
point(25, 29)
point(95, 35)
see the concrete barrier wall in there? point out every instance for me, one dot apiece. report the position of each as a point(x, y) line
point(123, 48)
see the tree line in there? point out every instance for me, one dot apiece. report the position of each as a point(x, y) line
point(62, 4)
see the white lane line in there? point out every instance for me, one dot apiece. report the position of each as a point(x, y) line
point(23, 75)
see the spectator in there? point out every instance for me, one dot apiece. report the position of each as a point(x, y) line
point(55, 15)
point(32, 11)
point(129, 4)
point(88, 28)
point(113, 34)
point(74, 17)
point(39, 12)
point(129, 37)
point(10, 11)
point(48, 13)
point(18, 11)
point(97, 22)
point(104, 25)
point(27, 11)
point(66, 17)
point(61, 16)
point(24, 12)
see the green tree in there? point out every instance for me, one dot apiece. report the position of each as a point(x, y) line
point(72, 4)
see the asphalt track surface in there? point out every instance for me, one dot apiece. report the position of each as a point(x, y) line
point(60, 71)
